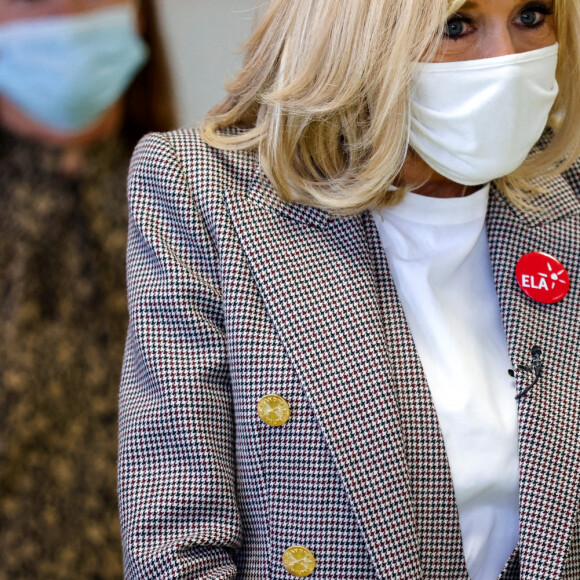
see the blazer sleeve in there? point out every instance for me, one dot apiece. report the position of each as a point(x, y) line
point(176, 471)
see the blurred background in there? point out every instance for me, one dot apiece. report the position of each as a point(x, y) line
point(203, 40)
point(71, 113)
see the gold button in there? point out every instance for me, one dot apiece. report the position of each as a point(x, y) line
point(273, 410)
point(299, 561)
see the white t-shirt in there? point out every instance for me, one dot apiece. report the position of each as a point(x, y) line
point(438, 254)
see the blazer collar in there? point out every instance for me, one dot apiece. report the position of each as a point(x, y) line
point(559, 202)
point(263, 193)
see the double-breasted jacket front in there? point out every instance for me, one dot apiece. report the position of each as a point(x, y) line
point(235, 295)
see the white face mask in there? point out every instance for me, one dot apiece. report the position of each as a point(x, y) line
point(474, 121)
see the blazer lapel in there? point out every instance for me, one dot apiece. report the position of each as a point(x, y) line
point(316, 279)
point(325, 281)
point(435, 509)
point(549, 417)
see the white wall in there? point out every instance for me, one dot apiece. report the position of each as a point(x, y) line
point(203, 39)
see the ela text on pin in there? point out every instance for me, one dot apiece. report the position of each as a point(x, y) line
point(530, 282)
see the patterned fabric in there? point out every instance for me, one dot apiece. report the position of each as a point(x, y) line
point(234, 295)
point(63, 324)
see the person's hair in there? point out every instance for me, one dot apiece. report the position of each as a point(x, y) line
point(324, 96)
point(149, 102)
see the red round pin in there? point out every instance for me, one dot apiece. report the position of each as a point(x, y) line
point(542, 278)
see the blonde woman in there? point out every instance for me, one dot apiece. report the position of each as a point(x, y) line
point(354, 294)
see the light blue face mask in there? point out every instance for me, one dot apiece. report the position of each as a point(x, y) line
point(66, 71)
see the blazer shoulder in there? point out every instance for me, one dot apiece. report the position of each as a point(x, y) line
point(182, 157)
point(208, 166)
point(214, 176)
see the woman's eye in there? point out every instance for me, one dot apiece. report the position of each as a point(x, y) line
point(455, 28)
point(531, 18)
point(535, 14)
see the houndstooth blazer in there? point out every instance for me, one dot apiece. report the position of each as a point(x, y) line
point(234, 295)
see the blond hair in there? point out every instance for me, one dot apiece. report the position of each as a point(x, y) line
point(324, 96)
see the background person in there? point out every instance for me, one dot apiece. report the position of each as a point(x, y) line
point(80, 82)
